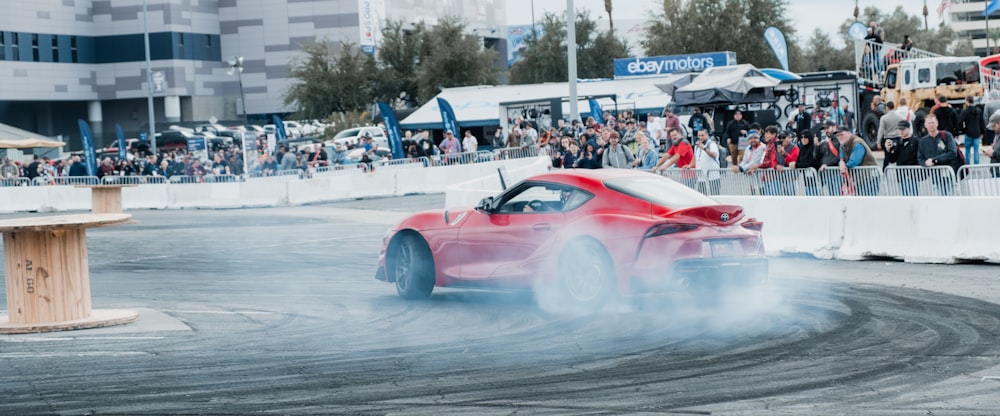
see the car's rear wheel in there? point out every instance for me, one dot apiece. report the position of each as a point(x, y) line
point(412, 267)
point(586, 274)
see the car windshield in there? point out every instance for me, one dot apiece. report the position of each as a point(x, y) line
point(659, 190)
point(347, 133)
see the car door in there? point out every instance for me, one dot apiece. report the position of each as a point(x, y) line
point(503, 244)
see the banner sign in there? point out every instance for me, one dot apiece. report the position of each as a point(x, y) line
point(776, 39)
point(448, 120)
point(88, 147)
point(371, 13)
point(392, 128)
point(662, 65)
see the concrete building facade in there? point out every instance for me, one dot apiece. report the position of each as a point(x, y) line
point(63, 60)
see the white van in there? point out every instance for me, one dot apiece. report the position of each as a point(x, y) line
point(351, 137)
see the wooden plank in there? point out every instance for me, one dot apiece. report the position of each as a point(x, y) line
point(106, 199)
point(64, 221)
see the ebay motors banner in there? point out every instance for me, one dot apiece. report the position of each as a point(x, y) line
point(662, 65)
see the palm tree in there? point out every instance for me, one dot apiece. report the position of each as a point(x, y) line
point(995, 36)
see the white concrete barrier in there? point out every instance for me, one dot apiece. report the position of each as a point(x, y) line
point(797, 225)
point(204, 195)
point(264, 193)
point(146, 196)
point(24, 198)
point(68, 198)
point(921, 229)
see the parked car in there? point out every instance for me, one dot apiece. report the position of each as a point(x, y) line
point(354, 155)
point(588, 235)
point(350, 137)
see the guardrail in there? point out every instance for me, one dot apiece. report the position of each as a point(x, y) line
point(971, 180)
point(134, 180)
point(65, 180)
point(14, 182)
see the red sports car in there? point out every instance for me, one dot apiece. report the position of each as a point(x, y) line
point(591, 234)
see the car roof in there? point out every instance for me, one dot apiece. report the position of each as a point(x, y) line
point(592, 177)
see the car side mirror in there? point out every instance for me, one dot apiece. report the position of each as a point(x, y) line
point(485, 204)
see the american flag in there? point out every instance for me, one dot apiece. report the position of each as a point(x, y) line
point(944, 5)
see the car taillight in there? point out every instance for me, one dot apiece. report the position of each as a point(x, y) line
point(753, 224)
point(669, 228)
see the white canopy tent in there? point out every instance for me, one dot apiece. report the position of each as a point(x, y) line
point(479, 106)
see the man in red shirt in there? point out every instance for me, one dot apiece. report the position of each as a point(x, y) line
point(681, 154)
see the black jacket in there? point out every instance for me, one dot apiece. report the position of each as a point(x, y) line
point(970, 122)
point(940, 147)
point(733, 130)
point(904, 152)
point(807, 157)
point(947, 119)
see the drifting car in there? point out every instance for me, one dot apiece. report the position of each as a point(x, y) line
point(590, 234)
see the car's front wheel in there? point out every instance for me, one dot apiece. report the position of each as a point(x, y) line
point(412, 267)
point(586, 274)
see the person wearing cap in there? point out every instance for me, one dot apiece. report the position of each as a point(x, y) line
point(828, 154)
point(888, 129)
point(450, 147)
point(994, 151)
point(628, 136)
point(904, 154)
point(854, 152)
point(753, 155)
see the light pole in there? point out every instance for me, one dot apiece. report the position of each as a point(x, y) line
point(236, 65)
point(149, 77)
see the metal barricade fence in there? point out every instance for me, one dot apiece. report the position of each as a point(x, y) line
point(859, 181)
point(210, 178)
point(979, 180)
point(14, 182)
point(787, 182)
point(515, 152)
point(919, 180)
point(686, 177)
point(733, 183)
point(65, 180)
point(290, 173)
point(484, 156)
point(340, 170)
point(409, 163)
point(183, 179)
point(134, 180)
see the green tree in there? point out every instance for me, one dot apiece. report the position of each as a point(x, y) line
point(451, 58)
point(820, 55)
point(897, 24)
point(696, 26)
point(398, 60)
point(330, 83)
point(545, 56)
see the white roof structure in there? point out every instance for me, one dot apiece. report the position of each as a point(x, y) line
point(480, 105)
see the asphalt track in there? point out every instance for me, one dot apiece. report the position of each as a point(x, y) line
point(276, 311)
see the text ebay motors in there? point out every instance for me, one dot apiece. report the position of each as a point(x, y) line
point(662, 65)
point(672, 65)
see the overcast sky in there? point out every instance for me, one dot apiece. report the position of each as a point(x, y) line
point(827, 15)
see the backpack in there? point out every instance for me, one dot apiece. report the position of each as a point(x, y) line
point(723, 155)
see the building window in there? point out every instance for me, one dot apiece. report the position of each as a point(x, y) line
point(208, 41)
point(3, 54)
point(15, 47)
point(180, 46)
point(34, 47)
point(72, 50)
point(55, 48)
